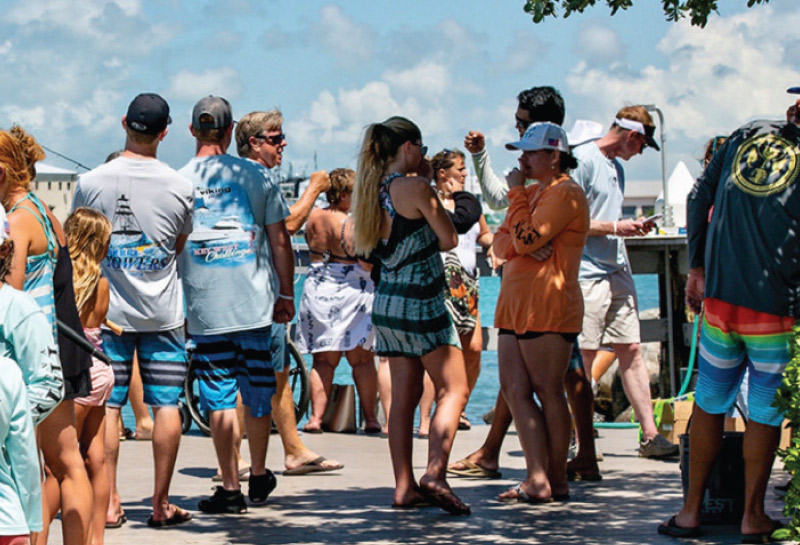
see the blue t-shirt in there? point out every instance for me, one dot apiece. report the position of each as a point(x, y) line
point(226, 265)
point(603, 180)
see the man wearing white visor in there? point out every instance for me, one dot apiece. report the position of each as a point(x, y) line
point(610, 307)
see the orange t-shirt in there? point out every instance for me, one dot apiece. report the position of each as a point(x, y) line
point(542, 295)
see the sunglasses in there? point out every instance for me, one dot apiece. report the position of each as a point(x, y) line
point(423, 150)
point(522, 123)
point(275, 139)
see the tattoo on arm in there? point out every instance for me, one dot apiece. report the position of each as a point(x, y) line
point(526, 234)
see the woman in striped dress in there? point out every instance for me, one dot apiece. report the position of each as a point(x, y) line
point(400, 222)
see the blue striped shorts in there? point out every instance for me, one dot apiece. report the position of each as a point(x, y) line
point(239, 361)
point(162, 364)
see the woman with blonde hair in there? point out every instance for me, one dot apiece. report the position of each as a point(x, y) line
point(88, 236)
point(41, 267)
point(399, 221)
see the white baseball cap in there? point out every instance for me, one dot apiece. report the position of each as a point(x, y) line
point(543, 135)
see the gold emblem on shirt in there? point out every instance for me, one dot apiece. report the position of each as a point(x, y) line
point(765, 164)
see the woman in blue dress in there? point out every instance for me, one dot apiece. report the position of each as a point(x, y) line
point(400, 222)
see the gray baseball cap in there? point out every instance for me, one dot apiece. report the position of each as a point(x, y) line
point(218, 108)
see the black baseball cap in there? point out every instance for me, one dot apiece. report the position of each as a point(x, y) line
point(148, 114)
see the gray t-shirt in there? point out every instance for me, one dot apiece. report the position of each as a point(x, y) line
point(603, 180)
point(226, 266)
point(149, 205)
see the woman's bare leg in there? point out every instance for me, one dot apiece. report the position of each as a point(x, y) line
point(62, 456)
point(445, 366)
point(91, 435)
point(406, 376)
point(426, 406)
point(321, 379)
point(366, 378)
point(385, 389)
point(546, 360)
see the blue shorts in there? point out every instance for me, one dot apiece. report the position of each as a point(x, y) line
point(162, 365)
point(280, 354)
point(734, 339)
point(231, 362)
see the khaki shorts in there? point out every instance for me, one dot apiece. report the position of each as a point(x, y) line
point(610, 313)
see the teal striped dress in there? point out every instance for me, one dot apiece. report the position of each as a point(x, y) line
point(39, 269)
point(408, 311)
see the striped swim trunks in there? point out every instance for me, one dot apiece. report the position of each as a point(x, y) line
point(239, 361)
point(162, 364)
point(734, 339)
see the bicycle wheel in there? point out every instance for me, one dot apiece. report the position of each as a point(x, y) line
point(192, 394)
point(298, 381)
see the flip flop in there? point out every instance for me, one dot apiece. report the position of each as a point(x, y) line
point(763, 537)
point(671, 528)
point(121, 519)
point(472, 470)
point(446, 501)
point(179, 517)
point(372, 431)
point(315, 466)
point(523, 497)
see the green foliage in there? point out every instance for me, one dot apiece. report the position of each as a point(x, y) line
point(787, 399)
point(675, 10)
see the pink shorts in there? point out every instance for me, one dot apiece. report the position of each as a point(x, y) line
point(102, 375)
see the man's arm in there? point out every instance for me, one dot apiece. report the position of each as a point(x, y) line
point(283, 263)
point(319, 183)
point(494, 190)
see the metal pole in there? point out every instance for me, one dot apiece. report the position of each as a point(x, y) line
point(668, 219)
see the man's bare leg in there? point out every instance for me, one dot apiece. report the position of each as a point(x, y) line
point(166, 439)
point(488, 455)
point(295, 453)
point(636, 384)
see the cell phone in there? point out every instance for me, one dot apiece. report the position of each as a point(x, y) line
point(653, 218)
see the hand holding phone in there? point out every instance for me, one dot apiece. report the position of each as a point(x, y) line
point(653, 218)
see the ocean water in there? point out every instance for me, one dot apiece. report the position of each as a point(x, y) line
point(485, 392)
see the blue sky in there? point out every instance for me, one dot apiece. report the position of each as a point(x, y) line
point(71, 68)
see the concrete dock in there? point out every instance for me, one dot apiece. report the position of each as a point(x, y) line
point(352, 506)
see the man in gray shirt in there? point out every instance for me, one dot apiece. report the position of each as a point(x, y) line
point(150, 208)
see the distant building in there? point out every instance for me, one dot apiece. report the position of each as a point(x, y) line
point(55, 186)
point(640, 197)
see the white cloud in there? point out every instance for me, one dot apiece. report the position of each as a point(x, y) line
point(427, 79)
point(191, 86)
point(522, 52)
point(350, 42)
point(598, 43)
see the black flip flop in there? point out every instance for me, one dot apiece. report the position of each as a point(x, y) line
point(179, 517)
point(671, 528)
point(763, 537)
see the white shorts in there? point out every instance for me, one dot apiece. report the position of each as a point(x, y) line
point(610, 314)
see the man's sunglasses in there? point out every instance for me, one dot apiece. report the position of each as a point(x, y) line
point(275, 139)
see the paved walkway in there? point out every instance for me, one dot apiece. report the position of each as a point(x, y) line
point(352, 506)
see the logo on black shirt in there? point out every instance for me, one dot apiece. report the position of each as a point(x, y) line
point(765, 164)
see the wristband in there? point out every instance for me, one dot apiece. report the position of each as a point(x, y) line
point(615, 228)
point(287, 297)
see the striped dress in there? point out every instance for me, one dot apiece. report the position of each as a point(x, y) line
point(39, 269)
point(408, 311)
